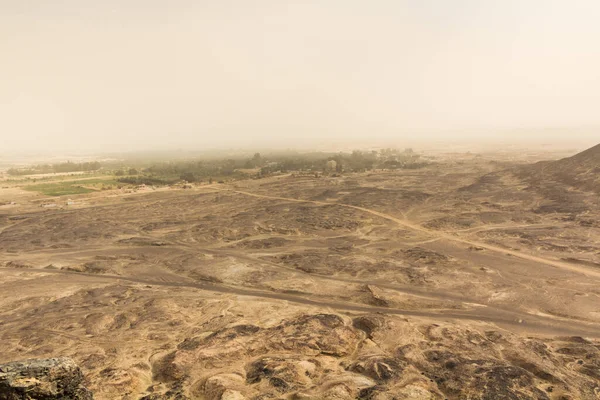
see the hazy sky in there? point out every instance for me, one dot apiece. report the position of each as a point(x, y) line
point(101, 74)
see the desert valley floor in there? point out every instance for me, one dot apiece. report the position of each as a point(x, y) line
point(466, 279)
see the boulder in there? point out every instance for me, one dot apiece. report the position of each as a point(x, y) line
point(44, 379)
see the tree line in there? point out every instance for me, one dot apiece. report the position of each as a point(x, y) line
point(261, 166)
point(56, 168)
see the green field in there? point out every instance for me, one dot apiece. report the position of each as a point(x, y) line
point(64, 188)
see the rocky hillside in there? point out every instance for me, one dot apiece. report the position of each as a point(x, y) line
point(581, 171)
point(567, 186)
point(328, 356)
point(49, 379)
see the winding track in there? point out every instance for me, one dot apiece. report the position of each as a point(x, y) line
point(405, 289)
point(501, 317)
point(537, 324)
point(441, 235)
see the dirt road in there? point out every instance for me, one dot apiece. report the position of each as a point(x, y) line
point(407, 224)
point(503, 318)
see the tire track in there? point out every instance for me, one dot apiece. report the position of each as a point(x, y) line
point(440, 235)
point(537, 324)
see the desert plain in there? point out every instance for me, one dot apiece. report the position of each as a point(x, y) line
point(474, 277)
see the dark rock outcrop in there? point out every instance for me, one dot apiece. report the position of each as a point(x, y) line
point(47, 379)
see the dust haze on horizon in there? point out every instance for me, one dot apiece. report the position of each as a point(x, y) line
point(133, 74)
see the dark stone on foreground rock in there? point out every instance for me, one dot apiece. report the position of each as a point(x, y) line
point(47, 379)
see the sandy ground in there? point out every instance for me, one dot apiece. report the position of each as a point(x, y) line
point(428, 283)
